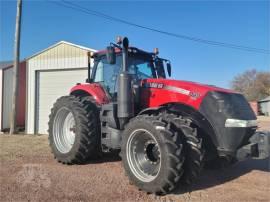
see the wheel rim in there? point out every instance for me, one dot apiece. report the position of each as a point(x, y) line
point(143, 155)
point(64, 130)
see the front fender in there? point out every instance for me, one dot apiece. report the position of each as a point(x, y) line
point(189, 112)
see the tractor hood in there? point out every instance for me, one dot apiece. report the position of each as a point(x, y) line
point(188, 85)
point(188, 92)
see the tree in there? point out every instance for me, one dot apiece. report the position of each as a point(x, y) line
point(255, 85)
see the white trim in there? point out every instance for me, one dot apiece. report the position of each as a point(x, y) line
point(177, 89)
point(26, 95)
point(240, 123)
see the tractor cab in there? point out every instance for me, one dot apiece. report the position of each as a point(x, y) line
point(140, 65)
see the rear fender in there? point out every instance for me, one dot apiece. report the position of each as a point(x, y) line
point(95, 90)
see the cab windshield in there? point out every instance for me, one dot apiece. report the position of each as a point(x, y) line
point(146, 68)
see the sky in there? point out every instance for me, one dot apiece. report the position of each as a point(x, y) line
point(239, 22)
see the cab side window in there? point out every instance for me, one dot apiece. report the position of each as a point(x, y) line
point(106, 75)
point(99, 72)
point(141, 69)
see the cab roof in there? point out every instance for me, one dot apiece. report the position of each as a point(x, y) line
point(130, 50)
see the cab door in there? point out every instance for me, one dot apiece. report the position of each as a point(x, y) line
point(107, 75)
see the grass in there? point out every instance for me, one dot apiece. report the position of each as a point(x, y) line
point(15, 146)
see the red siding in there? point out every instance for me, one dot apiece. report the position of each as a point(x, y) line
point(21, 100)
point(254, 106)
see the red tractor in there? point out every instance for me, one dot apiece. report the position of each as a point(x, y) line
point(165, 129)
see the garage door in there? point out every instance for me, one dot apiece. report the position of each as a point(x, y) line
point(50, 86)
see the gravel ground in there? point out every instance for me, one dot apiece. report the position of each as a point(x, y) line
point(29, 173)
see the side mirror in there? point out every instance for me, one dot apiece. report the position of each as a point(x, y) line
point(111, 56)
point(169, 69)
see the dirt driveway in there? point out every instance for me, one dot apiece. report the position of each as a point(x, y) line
point(29, 173)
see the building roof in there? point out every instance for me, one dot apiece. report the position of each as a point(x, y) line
point(62, 42)
point(5, 64)
point(9, 64)
point(267, 99)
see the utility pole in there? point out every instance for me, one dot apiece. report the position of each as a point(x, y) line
point(16, 68)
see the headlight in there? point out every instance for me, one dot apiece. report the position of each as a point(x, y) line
point(240, 123)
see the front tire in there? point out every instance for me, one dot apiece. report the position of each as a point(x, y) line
point(152, 154)
point(74, 133)
point(193, 144)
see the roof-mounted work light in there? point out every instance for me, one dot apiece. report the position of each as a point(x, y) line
point(156, 51)
point(119, 40)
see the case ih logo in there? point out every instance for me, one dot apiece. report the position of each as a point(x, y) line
point(193, 95)
point(154, 85)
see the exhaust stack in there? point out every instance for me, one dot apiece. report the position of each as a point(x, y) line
point(125, 103)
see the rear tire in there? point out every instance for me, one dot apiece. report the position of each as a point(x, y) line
point(74, 130)
point(152, 154)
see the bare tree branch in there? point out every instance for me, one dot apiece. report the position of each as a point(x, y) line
point(253, 84)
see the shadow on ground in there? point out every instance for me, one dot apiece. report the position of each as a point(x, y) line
point(105, 158)
point(210, 178)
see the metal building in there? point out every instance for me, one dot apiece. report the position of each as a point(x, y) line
point(6, 79)
point(50, 74)
point(264, 106)
point(1, 86)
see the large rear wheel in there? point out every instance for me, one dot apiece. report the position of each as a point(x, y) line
point(74, 133)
